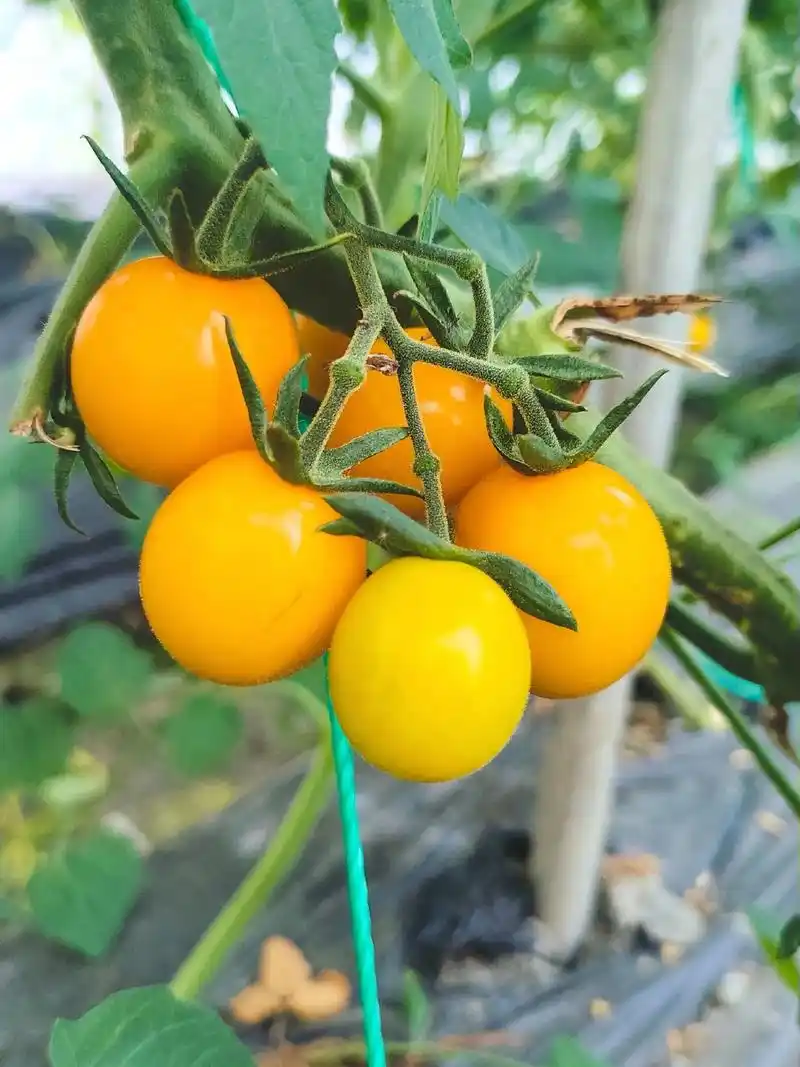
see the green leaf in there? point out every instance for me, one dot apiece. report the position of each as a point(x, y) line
point(356, 16)
point(554, 402)
point(432, 290)
point(445, 335)
point(83, 894)
point(512, 292)
point(144, 213)
point(767, 929)
point(432, 44)
point(103, 480)
point(789, 943)
point(428, 221)
point(20, 530)
point(501, 436)
point(103, 674)
point(361, 448)
point(256, 411)
point(146, 1027)
point(279, 58)
point(443, 159)
point(567, 368)
point(480, 228)
point(385, 525)
point(615, 418)
point(418, 1009)
point(458, 49)
point(65, 464)
point(290, 393)
point(36, 743)
point(200, 737)
point(569, 1052)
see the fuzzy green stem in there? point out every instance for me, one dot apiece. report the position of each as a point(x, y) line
point(106, 244)
point(355, 173)
point(347, 374)
point(737, 659)
point(282, 853)
point(426, 463)
point(739, 725)
point(211, 233)
point(783, 534)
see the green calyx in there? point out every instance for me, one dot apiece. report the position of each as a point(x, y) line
point(389, 529)
point(221, 244)
point(280, 440)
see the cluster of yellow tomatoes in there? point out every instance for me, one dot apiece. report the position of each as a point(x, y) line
point(430, 663)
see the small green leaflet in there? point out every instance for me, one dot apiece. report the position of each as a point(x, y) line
point(201, 736)
point(481, 228)
point(279, 58)
point(431, 32)
point(443, 162)
point(146, 1027)
point(36, 740)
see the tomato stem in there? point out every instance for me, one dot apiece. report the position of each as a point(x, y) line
point(281, 854)
point(105, 245)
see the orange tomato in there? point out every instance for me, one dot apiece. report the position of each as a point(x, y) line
point(237, 581)
point(596, 540)
point(152, 372)
point(323, 346)
point(452, 413)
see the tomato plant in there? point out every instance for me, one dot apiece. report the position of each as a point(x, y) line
point(592, 535)
point(151, 367)
point(451, 405)
point(444, 688)
point(237, 581)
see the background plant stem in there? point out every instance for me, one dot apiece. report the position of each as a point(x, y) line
point(280, 856)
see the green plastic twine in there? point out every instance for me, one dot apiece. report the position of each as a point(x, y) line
point(357, 890)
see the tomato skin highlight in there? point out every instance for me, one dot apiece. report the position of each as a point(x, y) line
point(322, 345)
point(452, 413)
point(152, 372)
point(429, 668)
point(596, 540)
point(237, 581)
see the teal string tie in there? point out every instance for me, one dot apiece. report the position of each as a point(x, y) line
point(357, 889)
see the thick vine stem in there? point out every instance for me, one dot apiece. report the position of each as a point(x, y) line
point(104, 247)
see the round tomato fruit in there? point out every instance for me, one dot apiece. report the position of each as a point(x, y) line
point(237, 581)
point(595, 539)
point(429, 693)
point(152, 372)
point(322, 345)
point(452, 413)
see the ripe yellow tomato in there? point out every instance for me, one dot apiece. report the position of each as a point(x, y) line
point(237, 581)
point(152, 372)
point(595, 539)
point(452, 413)
point(322, 345)
point(429, 669)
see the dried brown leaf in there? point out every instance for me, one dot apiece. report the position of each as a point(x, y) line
point(254, 1004)
point(282, 967)
point(321, 997)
